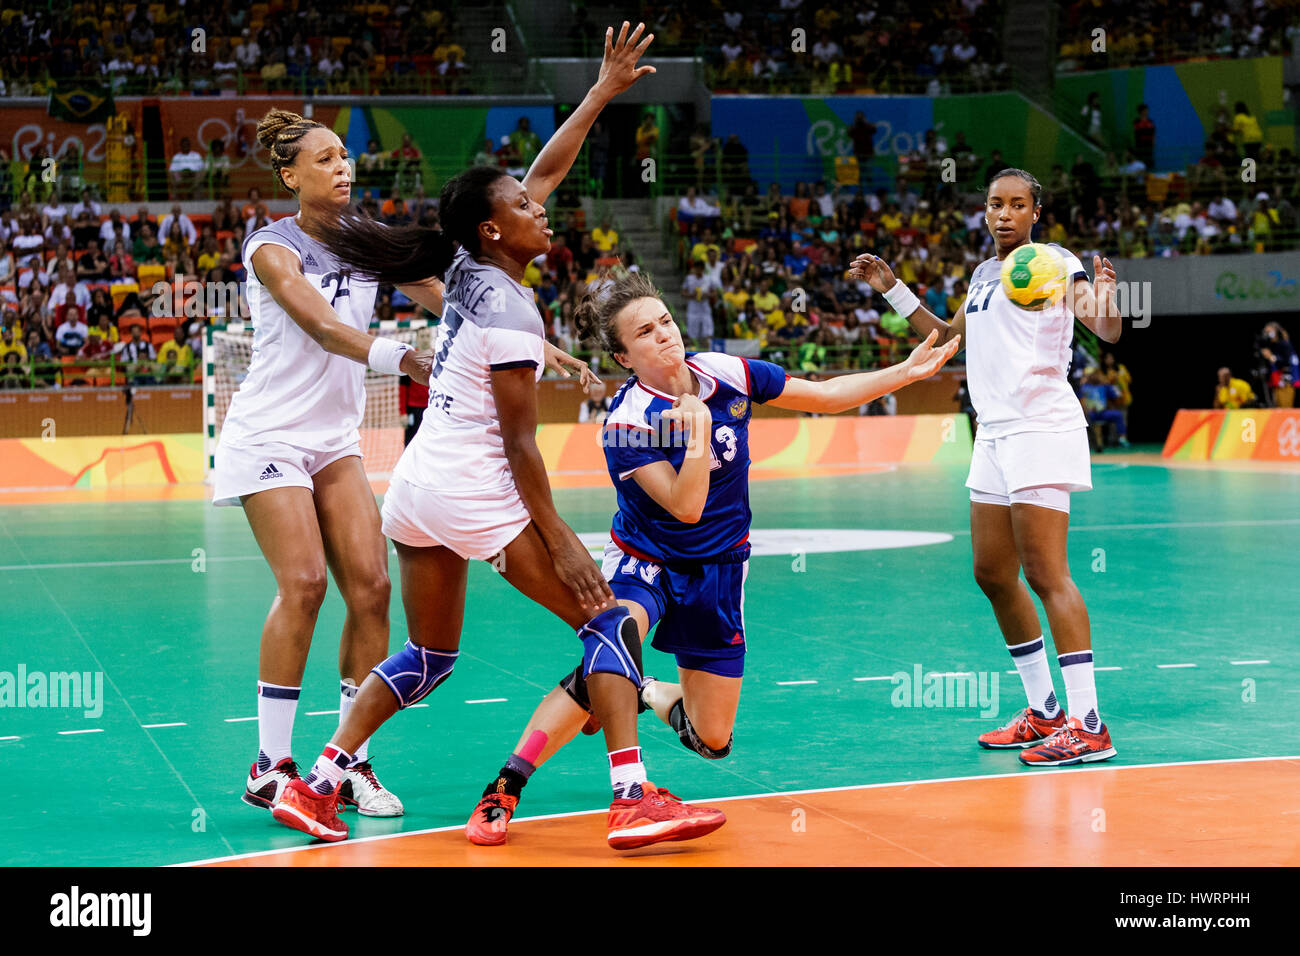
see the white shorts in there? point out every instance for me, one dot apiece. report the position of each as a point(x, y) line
point(246, 470)
point(1003, 466)
point(476, 528)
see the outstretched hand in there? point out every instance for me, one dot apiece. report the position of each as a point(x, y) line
point(925, 359)
point(1103, 283)
point(618, 70)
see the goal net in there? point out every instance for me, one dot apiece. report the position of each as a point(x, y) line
point(229, 349)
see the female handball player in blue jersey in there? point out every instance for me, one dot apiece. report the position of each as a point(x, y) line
point(471, 485)
point(1031, 451)
point(676, 442)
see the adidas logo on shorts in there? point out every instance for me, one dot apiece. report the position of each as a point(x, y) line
point(270, 472)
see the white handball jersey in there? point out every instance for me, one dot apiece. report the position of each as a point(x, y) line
point(1017, 360)
point(489, 322)
point(295, 391)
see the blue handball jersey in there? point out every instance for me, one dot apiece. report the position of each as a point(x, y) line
point(634, 437)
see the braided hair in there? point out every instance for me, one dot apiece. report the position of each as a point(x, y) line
point(281, 132)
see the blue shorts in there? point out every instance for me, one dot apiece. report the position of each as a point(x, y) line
point(700, 608)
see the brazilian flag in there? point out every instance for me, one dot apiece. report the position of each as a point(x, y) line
point(81, 101)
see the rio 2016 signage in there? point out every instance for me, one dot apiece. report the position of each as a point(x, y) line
point(1272, 285)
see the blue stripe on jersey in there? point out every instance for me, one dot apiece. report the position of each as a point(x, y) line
point(634, 437)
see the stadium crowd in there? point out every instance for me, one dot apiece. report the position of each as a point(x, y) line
point(149, 48)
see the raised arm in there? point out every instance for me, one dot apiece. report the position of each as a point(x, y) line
point(904, 301)
point(843, 392)
point(280, 271)
point(618, 71)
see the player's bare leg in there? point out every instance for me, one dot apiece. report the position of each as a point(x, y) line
point(641, 813)
point(425, 661)
point(284, 523)
point(1041, 543)
point(708, 703)
point(997, 572)
point(431, 624)
point(357, 553)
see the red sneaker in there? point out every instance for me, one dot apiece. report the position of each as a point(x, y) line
point(487, 826)
point(658, 817)
point(302, 808)
point(1071, 745)
point(1026, 729)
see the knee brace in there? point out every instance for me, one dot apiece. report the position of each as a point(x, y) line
point(414, 671)
point(690, 740)
point(611, 645)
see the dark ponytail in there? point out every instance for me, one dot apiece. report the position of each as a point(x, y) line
point(596, 314)
point(395, 255)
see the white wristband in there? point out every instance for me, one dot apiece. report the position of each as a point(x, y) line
point(386, 355)
point(902, 299)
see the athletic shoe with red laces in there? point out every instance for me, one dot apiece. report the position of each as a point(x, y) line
point(360, 788)
point(1070, 745)
point(302, 808)
point(487, 825)
point(658, 817)
point(262, 790)
point(1026, 729)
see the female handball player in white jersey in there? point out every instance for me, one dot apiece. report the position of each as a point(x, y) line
point(289, 450)
point(472, 485)
point(1031, 451)
point(679, 545)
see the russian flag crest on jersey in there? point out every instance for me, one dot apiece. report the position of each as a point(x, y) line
point(634, 436)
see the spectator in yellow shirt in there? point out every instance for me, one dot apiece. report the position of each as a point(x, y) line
point(605, 238)
point(1246, 131)
point(9, 343)
point(1232, 392)
point(176, 357)
point(766, 301)
point(701, 249)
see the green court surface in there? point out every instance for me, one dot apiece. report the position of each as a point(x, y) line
point(1178, 567)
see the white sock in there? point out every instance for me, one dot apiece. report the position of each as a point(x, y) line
point(1031, 662)
point(276, 707)
point(348, 697)
point(1080, 688)
point(626, 773)
point(328, 769)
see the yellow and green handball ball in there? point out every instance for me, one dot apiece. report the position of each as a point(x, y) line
point(1033, 276)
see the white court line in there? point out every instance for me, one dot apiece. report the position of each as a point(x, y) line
point(1167, 666)
point(152, 726)
point(1243, 523)
point(118, 564)
point(1028, 773)
point(793, 683)
point(413, 706)
point(488, 700)
point(10, 738)
point(320, 713)
point(236, 720)
point(1239, 663)
point(93, 730)
point(1112, 668)
point(887, 677)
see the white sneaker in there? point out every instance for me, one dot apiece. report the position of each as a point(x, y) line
point(263, 790)
point(361, 789)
